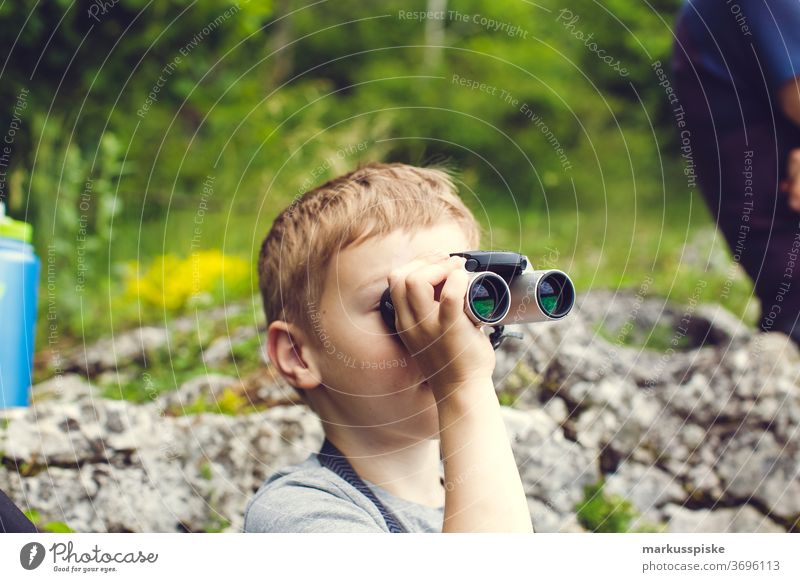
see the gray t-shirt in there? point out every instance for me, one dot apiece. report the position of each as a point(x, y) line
point(307, 497)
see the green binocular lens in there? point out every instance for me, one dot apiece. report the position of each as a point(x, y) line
point(555, 294)
point(489, 297)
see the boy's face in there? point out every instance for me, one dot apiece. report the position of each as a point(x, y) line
point(370, 377)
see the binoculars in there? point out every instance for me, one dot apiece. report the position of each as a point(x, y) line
point(504, 289)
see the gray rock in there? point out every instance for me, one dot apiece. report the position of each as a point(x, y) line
point(744, 519)
point(553, 469)
point(108, 465)
point(218, 352)
point(59, 434)
point(596, 428)
point(118, 351)
point(556, 410)
point(138, 500)
point(215, 315)
point(725, 329)
point(264, 387)
point(546, 520)
point(757, 467)
point(209, 387)
point(63, 387)
point(647, 487)
point(701, 481)
point(709, 426)
point(221, 349)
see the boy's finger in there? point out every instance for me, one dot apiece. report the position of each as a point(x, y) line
point(794, 196)
point(451, 300)
point(420, 292)
point(400, 273)
point(793, 163)
point(398, 293)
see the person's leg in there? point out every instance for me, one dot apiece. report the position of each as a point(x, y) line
point(12, 520)
point(740, 179)
point(776, 227)
point(738, 172)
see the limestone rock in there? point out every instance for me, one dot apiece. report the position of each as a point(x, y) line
point(744, 519)
point(682, 410)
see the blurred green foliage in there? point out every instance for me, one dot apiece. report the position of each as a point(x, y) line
point(151, 102)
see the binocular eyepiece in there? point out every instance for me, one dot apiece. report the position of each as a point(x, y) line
point(504, 290)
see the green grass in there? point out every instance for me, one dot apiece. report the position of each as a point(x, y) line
point(606, 248)
point(229, 403)
point(601, 247)
point(621, 250)
point(617, 246)
point(216, 523)
point(173, 233)
point(166, 371)
point(248, 349)
point(205, 471)
point(521, 378)
point(658, 338)
point(600, 513)
point(50, 526)
point(615, 249)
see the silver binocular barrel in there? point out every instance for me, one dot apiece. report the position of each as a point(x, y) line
point(532, 296)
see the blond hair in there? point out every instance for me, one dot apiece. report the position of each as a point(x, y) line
point(374, 200)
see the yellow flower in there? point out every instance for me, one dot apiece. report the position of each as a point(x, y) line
point(171, 282)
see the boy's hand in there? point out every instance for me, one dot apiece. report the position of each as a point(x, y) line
point(448, 348)
point(791, 186)
point(484, 491)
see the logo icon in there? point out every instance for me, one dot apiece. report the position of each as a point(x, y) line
point(31, 555)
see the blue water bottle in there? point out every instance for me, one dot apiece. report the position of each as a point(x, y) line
point(19, 283)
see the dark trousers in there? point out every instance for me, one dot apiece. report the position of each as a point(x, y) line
point(761, 230)
point(12, 520)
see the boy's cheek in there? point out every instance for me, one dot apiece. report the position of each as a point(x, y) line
point(389, 369)
point(368, 352)
point(371, 377)
point(378, 360)
point(363, 355)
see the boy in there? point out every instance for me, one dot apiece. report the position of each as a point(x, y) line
point(390, 404)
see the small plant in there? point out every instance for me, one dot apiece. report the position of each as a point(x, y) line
point(164, 372)
point(205, 471)
point(248, 350)
point(522, 378)
point(229, 402)
point(216, 523)
point(30, 469)
point(506, 398)
point(612, 514)
point(50, 526)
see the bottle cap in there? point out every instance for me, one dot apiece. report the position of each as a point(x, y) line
point(14, 229)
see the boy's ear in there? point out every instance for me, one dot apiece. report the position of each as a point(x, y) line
point(290, 352)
